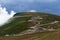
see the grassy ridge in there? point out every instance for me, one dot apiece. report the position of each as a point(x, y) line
point(20, 24)
point(15, 26)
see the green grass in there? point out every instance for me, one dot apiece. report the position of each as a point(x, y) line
point(34, 36)
point(15, 26)
point(20, 24)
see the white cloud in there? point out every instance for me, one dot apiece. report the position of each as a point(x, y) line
point(32, 11)
point(4, 15)
point(46, 0)
point(30, 0)
point(26, 0)
point(5, 1)
point(15, 1)
point(38, 0)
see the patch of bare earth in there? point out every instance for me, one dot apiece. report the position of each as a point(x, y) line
point(34, 36)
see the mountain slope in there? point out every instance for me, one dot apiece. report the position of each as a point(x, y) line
point(20, 22)
point(35, 36)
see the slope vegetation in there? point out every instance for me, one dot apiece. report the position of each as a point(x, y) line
point(20, 22)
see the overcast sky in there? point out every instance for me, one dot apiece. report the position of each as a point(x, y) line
point(50, 6)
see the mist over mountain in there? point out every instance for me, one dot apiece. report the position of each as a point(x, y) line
point(5, 16)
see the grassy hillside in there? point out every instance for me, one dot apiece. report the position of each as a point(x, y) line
point(15, 26)
point(35, 36)
point(20, 24)
point(44, 15)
